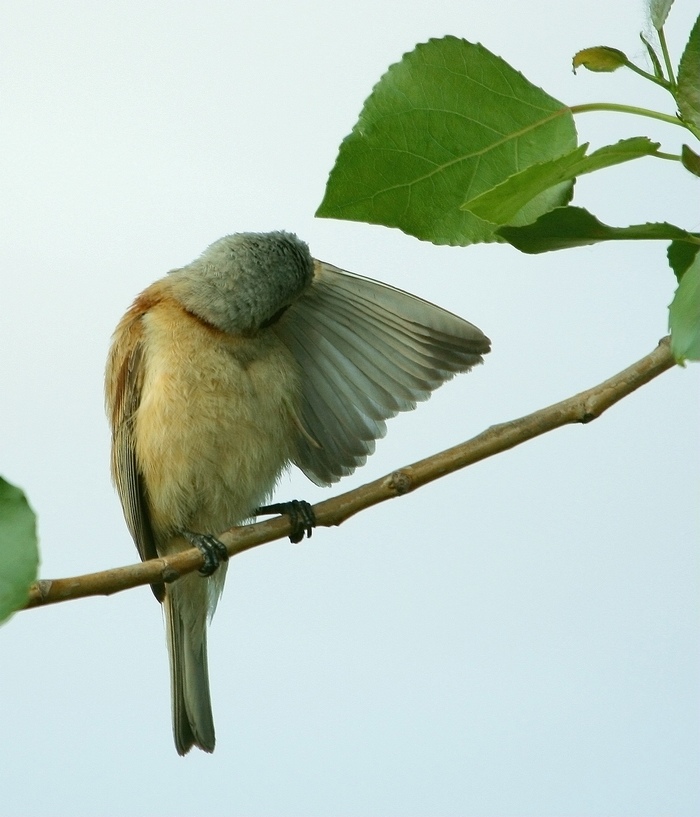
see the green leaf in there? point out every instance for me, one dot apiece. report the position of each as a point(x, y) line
point(690, 160)
point(658, 11)
point(681, 255)
point(500, 204)
point(451, 119)
point(684, 315)
point(600, 58)
point(568, 227)
point(688, 94)
point(19, 554)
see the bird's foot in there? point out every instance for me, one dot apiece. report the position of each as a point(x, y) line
point(300, 513)
point(213, 550)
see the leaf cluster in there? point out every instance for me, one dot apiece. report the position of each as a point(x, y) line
point(455, 146)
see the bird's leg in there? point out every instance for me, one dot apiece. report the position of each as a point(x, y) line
point(213, 550)
point(300, 513)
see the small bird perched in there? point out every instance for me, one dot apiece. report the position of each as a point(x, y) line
point(223, 373)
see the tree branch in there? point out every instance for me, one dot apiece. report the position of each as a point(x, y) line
point(581, 408)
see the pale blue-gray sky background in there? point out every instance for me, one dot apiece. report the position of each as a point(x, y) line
point(518, 639)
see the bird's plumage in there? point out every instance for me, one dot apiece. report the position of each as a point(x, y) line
point(224, 372)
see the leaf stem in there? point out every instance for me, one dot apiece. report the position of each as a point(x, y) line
point(613, 106)
point(673, 157)
point(642, 73)
point(667, 57)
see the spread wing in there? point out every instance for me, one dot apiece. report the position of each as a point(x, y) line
point(123, 383)
point(366, 351)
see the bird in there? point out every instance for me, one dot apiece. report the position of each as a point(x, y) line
point(228, 370)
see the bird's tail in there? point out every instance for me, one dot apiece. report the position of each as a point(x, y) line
point(186, 624)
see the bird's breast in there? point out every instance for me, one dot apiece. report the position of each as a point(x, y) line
point(215, 424)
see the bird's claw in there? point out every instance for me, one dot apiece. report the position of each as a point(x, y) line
point(301, 516)
point(212, 549)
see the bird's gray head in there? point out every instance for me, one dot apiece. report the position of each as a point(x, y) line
point(242, 282)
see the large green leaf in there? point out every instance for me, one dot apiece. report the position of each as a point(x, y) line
point(451, 120)
point(19, 554)
point(500, 204)
point(684, 315)
point(688, 95)
point(568, 227)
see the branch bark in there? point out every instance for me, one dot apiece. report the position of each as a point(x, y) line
point(581, 408)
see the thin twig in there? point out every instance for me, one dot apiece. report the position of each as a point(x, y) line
point(581, 408)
